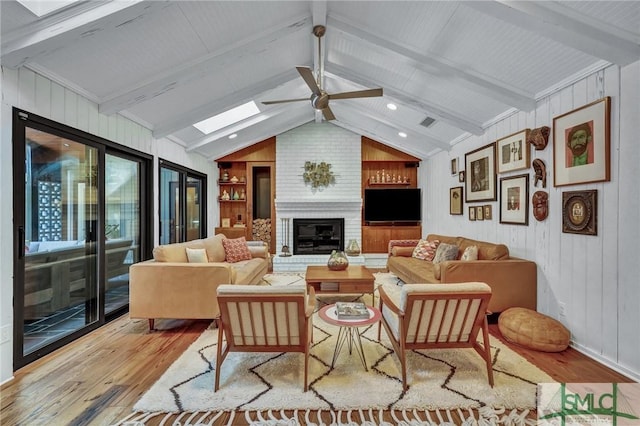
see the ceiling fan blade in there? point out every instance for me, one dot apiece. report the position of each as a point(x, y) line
point(328, 114)
point(283, 101)
point(307, 76)
point(369, 93)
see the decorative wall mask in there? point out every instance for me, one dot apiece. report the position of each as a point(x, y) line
point(539, 137)
point(540, 203)
point(540, 170)
point(318, 174)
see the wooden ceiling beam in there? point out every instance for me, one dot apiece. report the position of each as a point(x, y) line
point(475, 81)
point(566, 26)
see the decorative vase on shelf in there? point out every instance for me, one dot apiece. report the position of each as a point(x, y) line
point(353, 249)
point(225, 176)
point(338, 261)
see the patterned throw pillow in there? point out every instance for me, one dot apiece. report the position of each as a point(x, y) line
point(470, 253)
point(236, 249)
point(445, 252)
point(197, 255)
point(425, 250)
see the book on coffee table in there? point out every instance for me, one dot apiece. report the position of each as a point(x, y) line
point(352, 310)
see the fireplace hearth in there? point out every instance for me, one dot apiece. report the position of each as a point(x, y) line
point(318, 236)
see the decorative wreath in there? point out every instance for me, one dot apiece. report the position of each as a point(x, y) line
point(318, 174)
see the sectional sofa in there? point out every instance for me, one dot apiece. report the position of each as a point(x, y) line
point(170, 286)
point(513, 281)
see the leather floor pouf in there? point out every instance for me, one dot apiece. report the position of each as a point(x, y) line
point(533, 330)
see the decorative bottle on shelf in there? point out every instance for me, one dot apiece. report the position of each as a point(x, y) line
point(236, 196)
point(353, 249)
point(338, 261)
point(225, 176)
point(242, 194)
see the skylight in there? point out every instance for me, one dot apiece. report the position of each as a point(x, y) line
point(45, 7)
point(227, 118)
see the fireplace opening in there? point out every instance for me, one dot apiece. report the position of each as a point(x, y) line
point(318, 236)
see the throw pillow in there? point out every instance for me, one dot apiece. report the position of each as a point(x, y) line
point(425, 250)
point(402, 251)
point(470, 253)
point(445, 252)
point(197, 255)
point(236, 249)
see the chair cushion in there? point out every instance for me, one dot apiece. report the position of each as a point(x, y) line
point(533, 330)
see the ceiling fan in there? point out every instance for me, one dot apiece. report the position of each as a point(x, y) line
point(319, 98)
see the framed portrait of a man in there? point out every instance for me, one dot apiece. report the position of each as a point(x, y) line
point(581, 144)
point(480, 179)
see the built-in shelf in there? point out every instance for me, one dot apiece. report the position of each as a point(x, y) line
point(231, 183)
point(232, 201)
point(389, 183)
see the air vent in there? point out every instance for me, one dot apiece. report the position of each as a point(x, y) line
point(427, 122)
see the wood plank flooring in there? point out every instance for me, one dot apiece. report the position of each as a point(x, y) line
point(97, 379)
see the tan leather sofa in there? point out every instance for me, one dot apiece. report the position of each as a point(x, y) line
point(513, 281)
point(168, 286)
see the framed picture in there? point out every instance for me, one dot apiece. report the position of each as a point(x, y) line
point(513, 152)
point(487, 211)
point(454, 166)
point(581, 144)
point(479, 213)
point(472, 212)
point(480, 182)
point(514, 200)
point(579, 212)
point(461, 176)
point(455, 200)
point(225, 222)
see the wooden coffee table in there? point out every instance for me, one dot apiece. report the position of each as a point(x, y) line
point(356, 279)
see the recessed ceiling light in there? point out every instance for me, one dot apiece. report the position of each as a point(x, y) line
point(233, 136)
point(392, 107)
point(402, 134)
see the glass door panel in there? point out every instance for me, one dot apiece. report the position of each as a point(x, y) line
point(61, 219)
point(193, 220)
point(170, 231)
point(122, 228)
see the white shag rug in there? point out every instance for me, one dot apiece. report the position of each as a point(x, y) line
point(441, 380)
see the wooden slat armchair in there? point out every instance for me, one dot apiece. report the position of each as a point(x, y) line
point(436, 316)
point(265, 319)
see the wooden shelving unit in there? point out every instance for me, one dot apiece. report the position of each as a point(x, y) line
point(245, 165)
point(379, 159)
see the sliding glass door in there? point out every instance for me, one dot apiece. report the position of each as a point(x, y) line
point(183, 206)
point(60, 290)
point(81, 217)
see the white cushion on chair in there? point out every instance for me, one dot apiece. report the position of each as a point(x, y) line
point(262, 289)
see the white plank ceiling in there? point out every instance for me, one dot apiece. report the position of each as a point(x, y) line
point(169, 64)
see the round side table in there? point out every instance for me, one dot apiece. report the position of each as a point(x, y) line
point(348, 332)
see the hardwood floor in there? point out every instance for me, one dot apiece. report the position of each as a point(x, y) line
point(97, 379)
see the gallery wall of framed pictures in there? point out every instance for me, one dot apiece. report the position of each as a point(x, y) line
point(581, 154)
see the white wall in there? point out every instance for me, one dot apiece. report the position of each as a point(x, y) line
point(595, 276)
point(36, 94)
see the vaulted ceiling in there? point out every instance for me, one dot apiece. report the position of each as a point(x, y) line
point(462, 65)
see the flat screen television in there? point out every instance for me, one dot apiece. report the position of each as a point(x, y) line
point(392, 205)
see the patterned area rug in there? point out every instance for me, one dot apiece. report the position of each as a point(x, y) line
point(442, 380)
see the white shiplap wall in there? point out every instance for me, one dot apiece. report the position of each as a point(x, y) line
point(34, 93)
point(596, 277)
